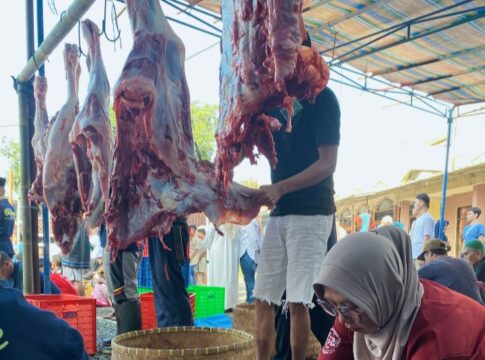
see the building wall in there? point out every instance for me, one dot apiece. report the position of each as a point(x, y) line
point(451, 214)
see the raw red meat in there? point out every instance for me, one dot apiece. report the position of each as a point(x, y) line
point(39, 140)
point(155, 174)
point(90, 137)
point(263, 66)
point(59, 175)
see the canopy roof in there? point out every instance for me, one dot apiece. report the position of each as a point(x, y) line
point(436, 47)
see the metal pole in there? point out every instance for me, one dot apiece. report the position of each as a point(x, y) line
point(69, 19)
point(445, 175)
point(45, 212)
point(23, 91)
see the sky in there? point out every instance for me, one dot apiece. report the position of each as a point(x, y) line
point(380, 140)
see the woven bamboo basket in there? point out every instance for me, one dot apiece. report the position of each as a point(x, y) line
point(182, 343)
point(244, 321)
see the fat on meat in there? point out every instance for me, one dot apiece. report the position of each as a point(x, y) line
point(39, 140)
point(91, 137)
point(156, 176)
point(263, 66)
point(59, 173)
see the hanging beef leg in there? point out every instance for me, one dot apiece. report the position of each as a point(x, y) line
point(91, 137)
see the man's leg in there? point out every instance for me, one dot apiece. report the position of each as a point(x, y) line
point(306, 243)
point(264, 320)
point(269, 287)
point(248, 267)
point(300, 330)
point(172, 302)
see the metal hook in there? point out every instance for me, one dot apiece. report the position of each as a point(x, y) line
point(114, 23)
point(80, 51)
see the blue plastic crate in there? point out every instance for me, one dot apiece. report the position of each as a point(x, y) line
point(145, 274)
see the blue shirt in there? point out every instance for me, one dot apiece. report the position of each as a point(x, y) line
point(472, 232)
point(29, 333)
point(455, 274)
point(422, 226)
point(7, 223)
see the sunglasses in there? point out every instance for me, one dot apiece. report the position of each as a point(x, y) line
point(348, 312)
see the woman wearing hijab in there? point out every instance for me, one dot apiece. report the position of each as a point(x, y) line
point(384, 312)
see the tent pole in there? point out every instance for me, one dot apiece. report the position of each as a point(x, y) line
point(69, 19)
point(445, 175)
point(45, 213)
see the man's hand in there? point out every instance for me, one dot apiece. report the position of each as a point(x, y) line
point(272, 193)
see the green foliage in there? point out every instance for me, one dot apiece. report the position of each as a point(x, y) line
point(204, 122)
point(10, 150)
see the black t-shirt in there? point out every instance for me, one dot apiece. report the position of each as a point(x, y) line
point(313, 125)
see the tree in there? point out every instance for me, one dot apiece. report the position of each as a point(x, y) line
point(10, 150)
point(204, 121)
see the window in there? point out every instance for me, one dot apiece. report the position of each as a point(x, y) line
point(384, 208)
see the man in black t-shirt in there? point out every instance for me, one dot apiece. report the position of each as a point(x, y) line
point(296, 237)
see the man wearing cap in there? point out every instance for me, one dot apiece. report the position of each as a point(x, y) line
point(422, 229)
point(455, 274)
point(7, 221)
point(475, 254)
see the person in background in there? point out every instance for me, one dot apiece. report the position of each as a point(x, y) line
point(224, 262)
point(386, 221)
point(167, 257)
point(201, 275)
point(11, 275)
point(249, 241)
point(76, 264)
point(30, 333)
point(474, 254)
point(341, 232)
point(364, 223)
point(62, 282)
point(422, 229)
point(384, 311)
point(56, 264)
point(100, 292)
point(455, 274)
point(474, 230)
point(437, 234)
point(193, 254)
point(7, 221)
point(124, 287)
point(97, 251)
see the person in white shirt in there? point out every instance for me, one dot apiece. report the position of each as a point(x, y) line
point(249, 241)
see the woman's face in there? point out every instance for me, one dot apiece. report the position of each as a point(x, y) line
point(353, 318)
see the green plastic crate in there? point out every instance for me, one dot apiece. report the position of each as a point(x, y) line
point(209, 300)
point(142, 290)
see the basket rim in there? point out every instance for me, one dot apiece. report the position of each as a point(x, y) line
point(247, 342)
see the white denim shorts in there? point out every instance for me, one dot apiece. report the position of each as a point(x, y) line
point(291, 257)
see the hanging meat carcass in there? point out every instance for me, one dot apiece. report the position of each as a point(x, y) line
point(263, 66)
point(41, 133)
point(59, 174)
point(155, 174)
point(90, 137)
